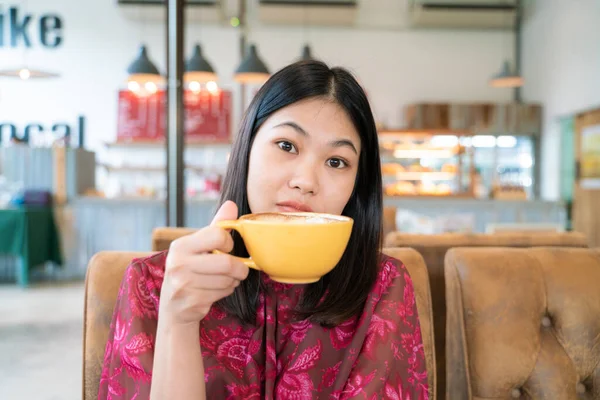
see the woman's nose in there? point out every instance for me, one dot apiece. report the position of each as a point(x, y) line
point(305, 178)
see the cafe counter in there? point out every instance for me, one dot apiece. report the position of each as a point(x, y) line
point(127, 223)
point(87, 225)
point(454, 214)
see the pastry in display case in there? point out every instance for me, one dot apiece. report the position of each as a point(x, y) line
point(392, 169)
point(401, 189)
point(509, 192)
point(425, 164)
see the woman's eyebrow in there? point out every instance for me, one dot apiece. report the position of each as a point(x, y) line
point(344, 143)
point(294, 126)
point(335, 143)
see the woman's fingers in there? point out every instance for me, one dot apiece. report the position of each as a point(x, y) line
point(213, 264)
point(203, 241)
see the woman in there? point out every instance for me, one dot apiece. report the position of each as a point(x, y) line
point(308, 142)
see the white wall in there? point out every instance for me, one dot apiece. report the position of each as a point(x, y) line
point(561, 67)
point(99, 43)
point(399, 68)
point(396, 67)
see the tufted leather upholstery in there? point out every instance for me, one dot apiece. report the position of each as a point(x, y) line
point(418, 272)
point(163, 236)
point(523, 323)
point(102, 282)
point(433, 248)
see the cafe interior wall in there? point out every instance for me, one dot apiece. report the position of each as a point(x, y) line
point(561, 68)
point(396, 65)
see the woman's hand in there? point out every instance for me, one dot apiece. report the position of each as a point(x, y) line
point(195, 278)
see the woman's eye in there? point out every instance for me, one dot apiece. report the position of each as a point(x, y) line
point(287, 146)
point(336, 163)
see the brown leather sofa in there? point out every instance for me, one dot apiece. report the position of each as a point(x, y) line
point(433, 248)
point(523, 323)
point(106, 269)
point(418, 272)
point(102, 282)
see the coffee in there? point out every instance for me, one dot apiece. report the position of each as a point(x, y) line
point(293, 247)
point(303, 218)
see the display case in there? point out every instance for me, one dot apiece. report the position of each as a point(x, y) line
point(505, 164)
point(505, 140)
point(424, 163)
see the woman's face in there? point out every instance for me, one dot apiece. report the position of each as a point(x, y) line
point(304, 158)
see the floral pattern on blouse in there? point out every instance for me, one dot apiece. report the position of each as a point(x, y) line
point(377, 355)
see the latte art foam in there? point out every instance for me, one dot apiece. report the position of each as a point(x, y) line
point(292, 218)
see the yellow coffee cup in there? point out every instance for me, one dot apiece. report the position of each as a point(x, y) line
point(296, 247)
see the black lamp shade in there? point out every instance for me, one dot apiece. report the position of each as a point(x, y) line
point(506, 79)
point(307, 54)
point(252, 69)
point(142, 69)
point(198, 69)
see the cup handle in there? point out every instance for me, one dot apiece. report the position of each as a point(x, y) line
point(236, 226)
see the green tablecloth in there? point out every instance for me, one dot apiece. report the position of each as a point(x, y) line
point(30, 234)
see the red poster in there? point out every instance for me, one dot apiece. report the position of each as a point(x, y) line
point(207, 116)
point(143, 118)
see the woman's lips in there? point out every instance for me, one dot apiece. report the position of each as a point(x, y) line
point(293, 206)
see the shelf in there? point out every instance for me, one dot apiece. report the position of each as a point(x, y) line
point(419, 176)
point(407, 133)
point(398, 152)
point(158, 144)
point(414, 154)
point(431, 196)
point(133, 168)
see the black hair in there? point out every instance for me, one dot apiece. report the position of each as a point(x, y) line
point(342, 293)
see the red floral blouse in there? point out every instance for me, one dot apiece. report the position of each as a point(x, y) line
point(378, 355)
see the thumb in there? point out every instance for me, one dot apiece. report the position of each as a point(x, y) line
point(227, 211)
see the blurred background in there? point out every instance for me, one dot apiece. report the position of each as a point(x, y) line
point(488, 114)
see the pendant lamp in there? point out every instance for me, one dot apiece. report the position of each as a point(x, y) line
point(198, 69)
point(27, 73)
point(142, 70)
point(506, 78)
point(252, 69)
point(307, 54)
point(24, 72)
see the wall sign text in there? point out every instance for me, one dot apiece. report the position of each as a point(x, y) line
point(19, 29)
point(57, 130)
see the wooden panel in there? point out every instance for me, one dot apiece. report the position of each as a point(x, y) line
point(586, 204)
point(60, 175)
point(586, 214)
point(484, 118)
